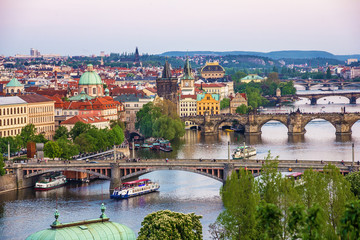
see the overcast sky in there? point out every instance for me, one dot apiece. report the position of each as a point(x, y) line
point(84, 27)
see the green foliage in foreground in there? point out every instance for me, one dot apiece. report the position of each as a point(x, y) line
point(225, 103)
point(275, 207)
point(354, 179)
point(2, 165)
point(166, 224)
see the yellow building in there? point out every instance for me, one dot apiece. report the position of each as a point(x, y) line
point(212, 70)
point(13, 116)
point(41, 113)
point(208, 103)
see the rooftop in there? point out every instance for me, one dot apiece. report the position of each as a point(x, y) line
point(11, 100)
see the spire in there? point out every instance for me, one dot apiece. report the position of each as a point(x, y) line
point(137, 56)
point(56, 222)
point(167, 71)
point(187, 70)
point(103, 208)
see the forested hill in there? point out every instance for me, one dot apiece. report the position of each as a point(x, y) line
point(294, 54)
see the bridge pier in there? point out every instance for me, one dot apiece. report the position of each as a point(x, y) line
point(342, 129)
point(115, 180)
point(228, 169)
point(313, 101)
point(307, 87)
point(352, 100)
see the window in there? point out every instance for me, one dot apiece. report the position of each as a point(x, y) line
point(136, 105)
point(94, 90)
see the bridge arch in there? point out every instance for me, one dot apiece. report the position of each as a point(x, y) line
point(307, 121)
point(148, 170)
point(283, 121)
point(38, 173)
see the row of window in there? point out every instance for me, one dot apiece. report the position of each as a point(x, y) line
point(41, 119)
point(208, 108)
point(41, 109)
point(187, 105)
point(211, 112)
point(129, 105)
point(45, 129)
point(12, 132)
point(188, 114)
point(12, 110)
point(186, 109)
point(12, 121)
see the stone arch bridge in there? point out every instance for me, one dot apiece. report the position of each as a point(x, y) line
point(352, 96)
point(117, 172)
point(295, 122)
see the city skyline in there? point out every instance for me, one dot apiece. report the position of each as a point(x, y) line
point(88, 27)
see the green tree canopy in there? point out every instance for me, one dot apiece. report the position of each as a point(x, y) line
point(166, 224)
point(52, 150)
point(61, 132)
point(243, 109)
point(78, 129)
point(225, 103)
point(354, 180)
point(2, 165)
point(68, 149)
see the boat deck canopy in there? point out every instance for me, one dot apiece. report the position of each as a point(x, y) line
point(137, 181)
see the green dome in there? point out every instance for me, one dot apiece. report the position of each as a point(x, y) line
point(14, 83)
point(90, 77)
point(100, 230)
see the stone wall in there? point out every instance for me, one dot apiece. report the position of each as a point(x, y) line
point(8, 183)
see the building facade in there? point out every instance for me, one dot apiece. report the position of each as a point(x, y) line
point(253, 78)
point(208, 104)
point(212, 70)
point(41, 112)
point(237, 101)
point(187, 81)
point(13, 116)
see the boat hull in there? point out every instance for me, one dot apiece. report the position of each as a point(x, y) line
point(134, 194)
point(49, 188)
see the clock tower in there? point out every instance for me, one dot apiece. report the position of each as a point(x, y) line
point(187, 81)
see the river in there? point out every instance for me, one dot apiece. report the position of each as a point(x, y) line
point(25, 211)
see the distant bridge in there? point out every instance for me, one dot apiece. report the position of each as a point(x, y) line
point(295, 122)
point(308, 83)
point(121, 171)
point(352, 96)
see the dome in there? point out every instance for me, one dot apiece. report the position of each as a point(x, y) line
point(107, 230)
point(90, 77)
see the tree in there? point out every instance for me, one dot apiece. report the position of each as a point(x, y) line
point(27, 134)
point(52, 150)
point(328, 73)
point(273, 76)
point(269, 217)
point(240, 198)
point(350, 222)
point(314, 224)
point(61, 132)
point(225, 103)
point(68, 149)
point(78, 129)
point(2, 165)
point(354, 180)
point(166, 224)
point(243, 109)
point(296, 221)
point(118, 134)
point(118, 122)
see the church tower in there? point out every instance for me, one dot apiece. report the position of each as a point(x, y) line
point(166, 85)
point(187, 81)
point(137, 56)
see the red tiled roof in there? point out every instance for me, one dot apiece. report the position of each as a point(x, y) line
point(32, 98)
point(188, 96)
point(88, 118)
point(207, 85)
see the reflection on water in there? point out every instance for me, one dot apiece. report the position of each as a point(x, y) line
point(26, 211)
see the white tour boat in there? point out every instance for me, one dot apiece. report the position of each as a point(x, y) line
point(50, 182)
point(244, 152)
point(135, 188)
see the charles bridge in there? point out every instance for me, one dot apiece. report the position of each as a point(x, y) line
point(121, 170)
point(295, 122)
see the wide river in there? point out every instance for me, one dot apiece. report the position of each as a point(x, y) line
point(26, 211)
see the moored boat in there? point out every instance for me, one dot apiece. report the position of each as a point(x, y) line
point(244, 152)
point(134, 188)
point(50, 182)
